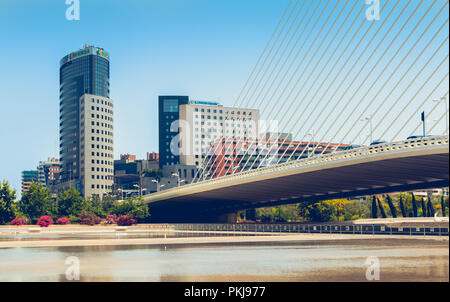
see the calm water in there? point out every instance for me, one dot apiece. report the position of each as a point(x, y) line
point(400, 260)
point(118, 235)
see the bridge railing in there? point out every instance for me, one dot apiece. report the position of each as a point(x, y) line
point(363, 229)
point(359, 153)
point(341, 155)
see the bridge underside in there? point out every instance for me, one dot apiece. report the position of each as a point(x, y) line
point(365, 178)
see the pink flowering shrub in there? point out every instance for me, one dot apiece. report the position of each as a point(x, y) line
point(17, 221)
point(63, 221)
point(44, 221)
point(126, 220)
point(111, 219)
point(89, 218)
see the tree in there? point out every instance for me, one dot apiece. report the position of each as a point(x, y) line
point(391, 206)
point(154, 173)
point(131, 206)
point(374, 207)
point(321, 212)
point(70, 202)
point(383, 213)
point(424, 209)
point(7, 203)
point(430, 207)
point(414, 205)
point(37, 202)
point(443, 206)
point(402, 207)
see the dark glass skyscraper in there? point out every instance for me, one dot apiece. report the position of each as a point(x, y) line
point(168, 113)
point(85, 71)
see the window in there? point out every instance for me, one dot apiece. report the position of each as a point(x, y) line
point(170, 105)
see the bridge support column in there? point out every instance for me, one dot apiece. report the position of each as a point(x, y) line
point(228, 218)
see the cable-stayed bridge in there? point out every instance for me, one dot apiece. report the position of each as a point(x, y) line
point(334, 73)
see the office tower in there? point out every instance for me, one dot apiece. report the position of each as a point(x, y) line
point(96, 145)
point(85, 71)
point(28, 177)
point(207, 122)
point(168, 107)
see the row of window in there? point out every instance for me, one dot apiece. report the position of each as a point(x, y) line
point(102, 177)
point(101, 117)
point(106, 110)
point(222, 111)
point(100, 124)
point(221, 118)
point(102, 147)
point(102, 162)
point(101, 139)
point(102, 187)
point(102, 102)
point(102, 154)
point(101, 169)
point(102, 132)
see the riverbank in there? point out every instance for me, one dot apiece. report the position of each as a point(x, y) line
point(263, 238)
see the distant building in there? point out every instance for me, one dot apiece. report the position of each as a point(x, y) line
point(128, 157)
point(28, 177)
point(168, 128)
point(48, 172)
point(228, 156)
point(206, 122)
point(128, 172)
point(153, 157)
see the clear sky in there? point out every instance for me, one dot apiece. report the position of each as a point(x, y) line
point(201, 48)
point(344, 67)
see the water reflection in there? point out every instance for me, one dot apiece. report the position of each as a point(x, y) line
point(401, 260)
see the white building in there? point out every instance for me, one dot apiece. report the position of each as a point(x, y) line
point(202, 123)
point(96, 145)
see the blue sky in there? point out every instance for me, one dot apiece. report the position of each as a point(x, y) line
point(201, 48)
point(207, 48)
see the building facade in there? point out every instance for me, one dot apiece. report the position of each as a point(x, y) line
point(234, 155)
point(85, 71)
point(28, 177)
point(168, 107)
point(48, 172)
point(207, 122)
point(96, 145)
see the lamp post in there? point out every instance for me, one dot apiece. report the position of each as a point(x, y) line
point(158, 186)
point(179, 181)
point(139, 189)
point(310, 143)
point(369, 120)
point(444, 100)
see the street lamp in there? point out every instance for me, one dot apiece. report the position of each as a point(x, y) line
point(158, 186)
point(444, 100)
point(178, 178)
point(310, 143)
point(139, 189)
point(369, 119)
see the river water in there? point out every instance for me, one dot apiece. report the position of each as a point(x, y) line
point(340, 260)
